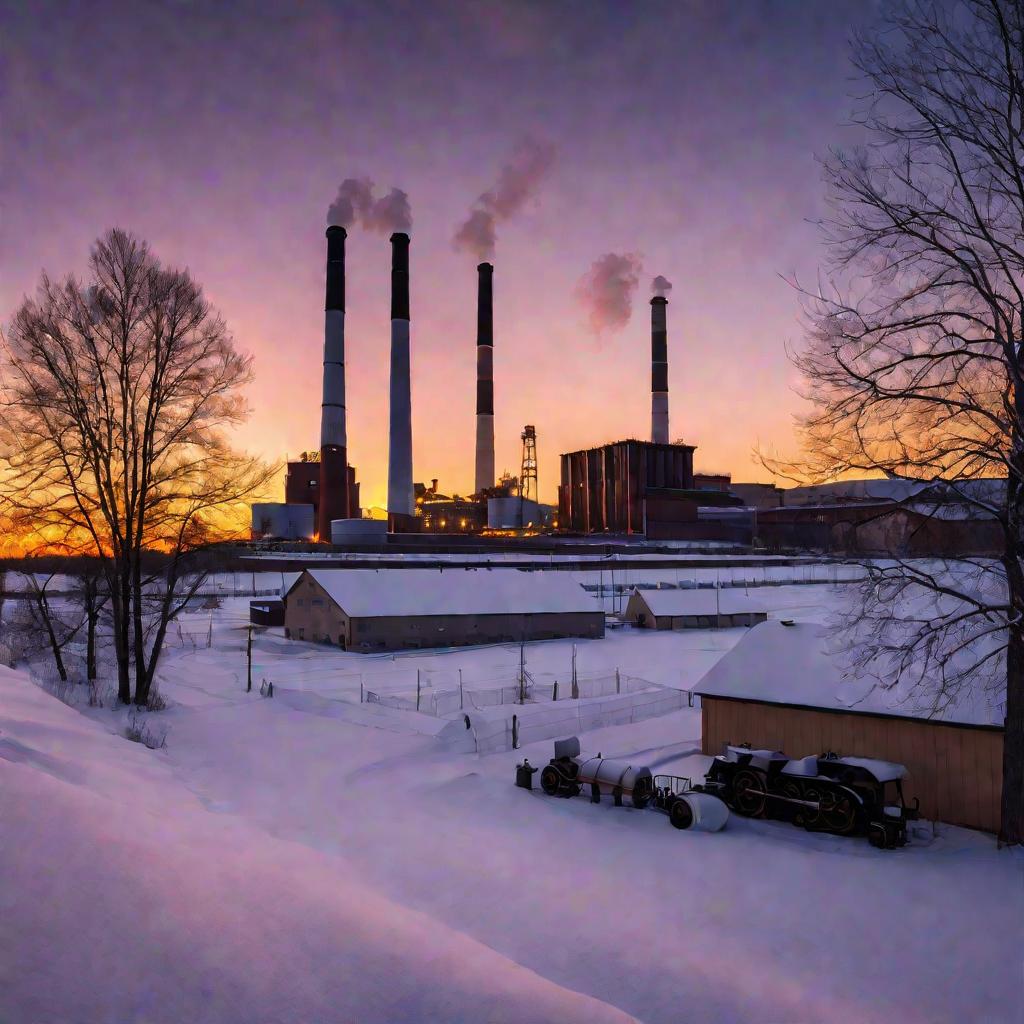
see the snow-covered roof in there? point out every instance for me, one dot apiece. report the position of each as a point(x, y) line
point(368, 593)
point(731, 601)
point(877, 489)
point(795, 664)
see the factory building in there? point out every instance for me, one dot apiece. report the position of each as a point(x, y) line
point(628, 487)
point(370, 610)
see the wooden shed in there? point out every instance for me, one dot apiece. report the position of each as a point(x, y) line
point(783, 688)
point(693, 609)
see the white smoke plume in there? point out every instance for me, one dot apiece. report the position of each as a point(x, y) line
point(606, 290)
point(518, 180)
point(355, 203)
point(661, 286)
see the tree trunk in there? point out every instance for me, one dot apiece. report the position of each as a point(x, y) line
point(1011, 830)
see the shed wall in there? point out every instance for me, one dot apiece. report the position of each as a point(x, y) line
point(955, 771)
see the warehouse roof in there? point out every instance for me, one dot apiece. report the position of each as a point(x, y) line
point(730, 601)
point(373, 593)
point(804, 664)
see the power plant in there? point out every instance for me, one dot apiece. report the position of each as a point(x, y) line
point(630, 487)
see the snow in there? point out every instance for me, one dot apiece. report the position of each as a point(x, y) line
point(884, 771)
point(311, 858)
point(410, 592)
point(795, 664)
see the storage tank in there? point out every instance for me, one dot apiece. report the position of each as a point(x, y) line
point(611, 775)
point(512, 513)
point(359, 531)
point(280, 521)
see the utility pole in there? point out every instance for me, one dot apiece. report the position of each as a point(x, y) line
point(248, 658)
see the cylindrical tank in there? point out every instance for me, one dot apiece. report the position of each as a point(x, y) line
point(706, 813)
point(611, 775)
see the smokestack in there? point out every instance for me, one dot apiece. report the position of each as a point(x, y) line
point(333, 500)
point(659, 370)
point(484, 379)
point(400, 494)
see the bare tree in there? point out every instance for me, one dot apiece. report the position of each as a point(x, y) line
point(913, 362)
point(115, 400)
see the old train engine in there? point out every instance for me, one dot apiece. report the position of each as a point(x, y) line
point(827, 793)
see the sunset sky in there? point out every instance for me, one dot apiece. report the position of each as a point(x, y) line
point(684, 132)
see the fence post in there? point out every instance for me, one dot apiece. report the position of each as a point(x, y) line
point(617, 682)
point(460, 689)
point(515, 732)
point(554, 692)
point(417, 689)
point(360, 689)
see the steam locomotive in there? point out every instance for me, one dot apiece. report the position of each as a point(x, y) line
point(841, 795)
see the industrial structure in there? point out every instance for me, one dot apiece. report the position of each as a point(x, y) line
point(659, 370)
point(394, 609)
point(400, 490)
point(484, 465)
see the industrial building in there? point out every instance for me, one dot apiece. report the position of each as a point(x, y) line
point(629, 487)
point(703, 608)
point(397, 609)
point(783, 687)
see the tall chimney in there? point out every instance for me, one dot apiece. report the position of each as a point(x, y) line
point(659, 371)
point(333, 500)
point(400, 495)
point(484, 379)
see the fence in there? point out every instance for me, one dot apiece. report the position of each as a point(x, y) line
point(499, 729)
point(447, 701)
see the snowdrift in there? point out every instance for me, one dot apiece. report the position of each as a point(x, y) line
point(124, 899)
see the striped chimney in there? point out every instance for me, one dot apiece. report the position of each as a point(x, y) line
point(333, 498)
point(484, 379)
point(400, 492)
point(659, 371)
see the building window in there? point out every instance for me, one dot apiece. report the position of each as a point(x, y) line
point(302, 602)
point(317, 602)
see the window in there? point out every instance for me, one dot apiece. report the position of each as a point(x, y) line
point(302, 602)
point(317, 602)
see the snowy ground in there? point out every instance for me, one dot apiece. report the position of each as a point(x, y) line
point(311, 858)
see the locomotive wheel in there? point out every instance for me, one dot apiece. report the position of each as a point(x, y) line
point(811, 816)
point(794, 812)
point(550, 780)
point(680, 814)
point(838, 812)
point(748, 793)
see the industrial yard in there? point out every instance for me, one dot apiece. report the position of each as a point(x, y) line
point(357, 823)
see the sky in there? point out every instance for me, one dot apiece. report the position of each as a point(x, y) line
point(686, 134)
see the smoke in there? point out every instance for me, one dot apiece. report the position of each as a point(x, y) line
point(518, 180)
point(661, 286)
point(606, 290)
point(355, 203)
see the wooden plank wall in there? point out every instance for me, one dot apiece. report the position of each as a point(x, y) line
point(955, 772)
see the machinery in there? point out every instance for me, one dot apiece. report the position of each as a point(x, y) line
point(841, 795)
point(568, 772)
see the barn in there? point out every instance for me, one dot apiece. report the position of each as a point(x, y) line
point(400, 609)
point(692, 609)
point(783, 687)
